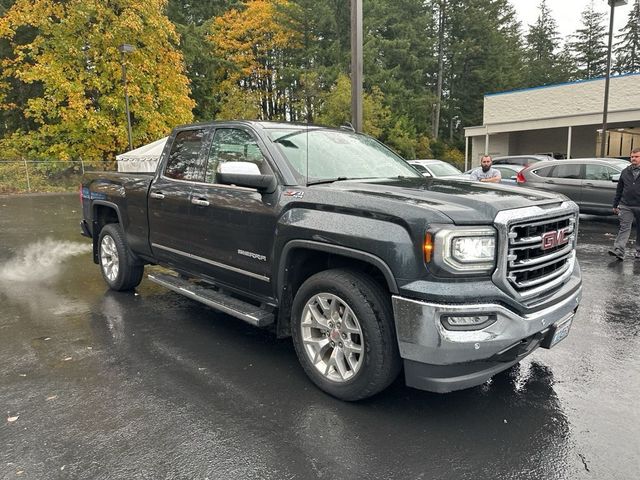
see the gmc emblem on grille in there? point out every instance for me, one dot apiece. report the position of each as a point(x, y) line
point(554, 238)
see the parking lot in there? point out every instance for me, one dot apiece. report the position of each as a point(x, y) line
point(149, 384)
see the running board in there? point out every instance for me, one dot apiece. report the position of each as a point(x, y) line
point(215, 299)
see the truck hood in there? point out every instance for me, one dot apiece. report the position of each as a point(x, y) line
point(463, 201)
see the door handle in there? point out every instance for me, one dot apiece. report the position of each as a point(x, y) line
point(200, 201)
point(588, 184)
point(159, 195)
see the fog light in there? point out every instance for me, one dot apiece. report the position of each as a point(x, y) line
point(467, 322)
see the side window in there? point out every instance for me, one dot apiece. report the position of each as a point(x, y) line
point(598, 172)
point(183, 163)
point(571, 170)
point(506, 173)
point(543, 172)
point(233, 145)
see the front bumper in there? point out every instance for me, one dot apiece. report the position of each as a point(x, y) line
point(441, 360)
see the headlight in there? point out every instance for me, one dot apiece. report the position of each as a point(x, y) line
point(465, 249)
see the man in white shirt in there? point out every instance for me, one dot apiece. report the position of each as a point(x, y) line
point(484, 173)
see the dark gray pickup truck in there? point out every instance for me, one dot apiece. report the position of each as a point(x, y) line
point(329, 237)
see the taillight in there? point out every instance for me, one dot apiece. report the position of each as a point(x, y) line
point(520, 178)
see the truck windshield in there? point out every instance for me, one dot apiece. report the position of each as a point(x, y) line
point(320, 154)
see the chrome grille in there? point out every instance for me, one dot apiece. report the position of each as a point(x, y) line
point(540, 253)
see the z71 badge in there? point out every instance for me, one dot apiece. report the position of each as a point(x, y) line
point(293, 193)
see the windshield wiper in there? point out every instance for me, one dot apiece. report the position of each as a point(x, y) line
point(327, 180)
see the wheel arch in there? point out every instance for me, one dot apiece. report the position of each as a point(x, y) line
point(301, 259)
point(104, 212)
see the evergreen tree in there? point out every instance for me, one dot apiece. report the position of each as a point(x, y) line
point(627, 50)
point(399, 57)
point(484, 56)
point(543, 63)
point(589, 45)
point(192, 20)
point(70, 56)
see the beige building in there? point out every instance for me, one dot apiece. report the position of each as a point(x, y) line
point(564, 118)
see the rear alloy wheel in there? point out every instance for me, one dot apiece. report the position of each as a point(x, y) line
point(117, 264)
point(343, 333)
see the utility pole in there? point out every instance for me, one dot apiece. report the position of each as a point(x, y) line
point(603, 138)
point(356, 65)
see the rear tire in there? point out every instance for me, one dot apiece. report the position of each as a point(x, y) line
point(117, 264)
point(343, 333)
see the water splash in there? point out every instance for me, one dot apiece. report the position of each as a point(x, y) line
point(41, 261)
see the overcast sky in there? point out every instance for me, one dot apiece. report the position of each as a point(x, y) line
point(568, 13)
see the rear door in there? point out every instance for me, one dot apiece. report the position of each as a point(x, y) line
point(566, 178)
point(234, 227)
point(170, 229)
point(598, 188)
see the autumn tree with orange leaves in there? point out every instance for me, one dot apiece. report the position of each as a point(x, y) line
point(70, 62)
point(257, 45)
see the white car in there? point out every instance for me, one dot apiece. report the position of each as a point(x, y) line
point(436, 168)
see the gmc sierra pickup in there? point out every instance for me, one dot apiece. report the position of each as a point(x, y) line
point(329, 237)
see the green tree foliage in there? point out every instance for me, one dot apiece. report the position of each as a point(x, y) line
point(589, 45)
point(627, 49)
point(71, 54)
point(335, 109)
point(484, 55)
point(544, 62)
point(399, 57)
point(192, 20)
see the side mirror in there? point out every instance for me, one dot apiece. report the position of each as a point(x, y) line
point(615, 178)
point(426, 174)
point(246, 174)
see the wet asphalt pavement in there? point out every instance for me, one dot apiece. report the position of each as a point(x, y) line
point(97, 384)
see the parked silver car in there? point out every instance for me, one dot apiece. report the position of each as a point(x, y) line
point(435, 168)
point(590, 182)
point(523, 160)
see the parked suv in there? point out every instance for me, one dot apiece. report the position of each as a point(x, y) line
point(590, 182)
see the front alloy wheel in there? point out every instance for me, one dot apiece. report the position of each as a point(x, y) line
point(332, 337)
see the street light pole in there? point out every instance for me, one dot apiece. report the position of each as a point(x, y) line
point(613, 4)
point(126, 48)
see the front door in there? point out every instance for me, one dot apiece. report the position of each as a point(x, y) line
point(599, 189)
point(234, 227)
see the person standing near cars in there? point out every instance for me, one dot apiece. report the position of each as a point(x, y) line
point(626, 205)
point(485, 173)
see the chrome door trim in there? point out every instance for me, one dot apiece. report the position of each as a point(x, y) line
point(211, 262)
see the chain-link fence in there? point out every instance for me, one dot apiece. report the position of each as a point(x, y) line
point(27, 176)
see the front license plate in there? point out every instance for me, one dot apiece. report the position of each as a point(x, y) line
point(560, 332)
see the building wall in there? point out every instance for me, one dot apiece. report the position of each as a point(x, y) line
point(565, 100)
point(498, 145)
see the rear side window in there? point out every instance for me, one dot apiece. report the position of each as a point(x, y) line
point(543, 172)
point(184, 157)
point(566, 171)
point(507, 173)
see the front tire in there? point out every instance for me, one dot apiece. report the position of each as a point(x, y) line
point(117, 264)
point(343, 333)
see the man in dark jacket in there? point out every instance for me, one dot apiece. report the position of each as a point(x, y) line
point(627, 206)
